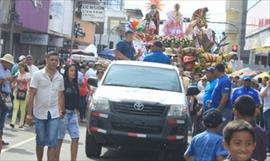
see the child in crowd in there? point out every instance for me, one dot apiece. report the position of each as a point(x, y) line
point(245, 108)
point(240, 140)
point(207, 146)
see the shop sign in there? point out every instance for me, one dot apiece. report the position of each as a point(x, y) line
point(92, 12)
point(56, 41)
point(35, 39)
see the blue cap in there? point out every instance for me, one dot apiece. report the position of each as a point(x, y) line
point(247, 77)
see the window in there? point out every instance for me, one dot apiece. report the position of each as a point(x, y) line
point(143, 77)
point(113, 4)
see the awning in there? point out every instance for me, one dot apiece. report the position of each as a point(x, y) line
point(260, 40)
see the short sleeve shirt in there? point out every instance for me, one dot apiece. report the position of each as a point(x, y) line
point(266, 99)
point(206, 146)
point(223, 86)
point(46, 99)
point(4, 73)
point(127, 49)
point(246, 91)
point(208, 92)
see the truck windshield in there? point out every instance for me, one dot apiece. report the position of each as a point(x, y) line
point(143, 77)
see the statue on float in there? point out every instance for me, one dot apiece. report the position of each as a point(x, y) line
point(174, 25)
point(203, 36)
point(154, 7)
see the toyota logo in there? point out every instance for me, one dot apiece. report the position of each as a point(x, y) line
point(138, 106)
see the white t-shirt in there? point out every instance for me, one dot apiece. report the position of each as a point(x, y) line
point(32, 69)
point(266, 99)
point(91, 73)
point(46, 99)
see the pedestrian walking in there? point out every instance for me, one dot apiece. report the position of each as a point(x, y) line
point(246, 89)
point(70, 120)
point(20, 92)
point(245, 108)
point(5, 90)
point(265, 94)
point(220, 98)
point(210, 85)
point(207, 146)
point(46, 103)
point(239, 139)
point(32, 68)
point(84, 90)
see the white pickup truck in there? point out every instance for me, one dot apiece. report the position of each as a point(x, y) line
point(138, 104)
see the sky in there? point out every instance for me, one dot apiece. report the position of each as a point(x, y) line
point(217, 9)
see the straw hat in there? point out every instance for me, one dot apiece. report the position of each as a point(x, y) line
point(8, 58)
point(169, 51)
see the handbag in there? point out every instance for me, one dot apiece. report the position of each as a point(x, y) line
point(21, 94)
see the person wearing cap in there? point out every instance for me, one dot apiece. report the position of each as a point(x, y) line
point(157, 56)
point(246, 90)
point(207, 146)
point(15, 67)
point(125, 49)
point(210, 85)
point(5, 89)
point(220, 98)
point(29, 62)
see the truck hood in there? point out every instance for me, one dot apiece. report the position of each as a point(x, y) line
point(141, 95)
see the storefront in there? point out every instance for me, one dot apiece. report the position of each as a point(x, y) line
point(258, 33)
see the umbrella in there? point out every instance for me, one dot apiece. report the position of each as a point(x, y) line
point(261, 75)
point(241, 72)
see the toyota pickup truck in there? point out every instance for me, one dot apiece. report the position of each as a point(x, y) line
point(138, 104)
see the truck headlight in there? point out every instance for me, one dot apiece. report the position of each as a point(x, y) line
point(100, 104)
point(177, 110)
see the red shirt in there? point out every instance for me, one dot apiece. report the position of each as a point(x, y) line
point(83, 87)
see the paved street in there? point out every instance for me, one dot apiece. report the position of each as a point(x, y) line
point(22, 147)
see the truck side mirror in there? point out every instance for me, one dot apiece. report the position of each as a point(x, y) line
point(93, 82)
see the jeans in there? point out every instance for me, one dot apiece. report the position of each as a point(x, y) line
point(266, 116)
point(3, 113)
point(82, 107)
point(47, 131)
point(69, 123)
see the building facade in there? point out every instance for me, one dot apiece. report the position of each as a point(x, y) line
point(258, 33)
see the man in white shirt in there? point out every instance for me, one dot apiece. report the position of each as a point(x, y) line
point(46, 102)
point(32, 68)
point(265, 94)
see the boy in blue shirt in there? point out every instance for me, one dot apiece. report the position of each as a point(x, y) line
point(207, 146)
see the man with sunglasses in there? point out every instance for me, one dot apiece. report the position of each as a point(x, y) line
point(247, 90)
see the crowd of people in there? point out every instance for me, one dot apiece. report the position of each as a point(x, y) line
point(217, 101)
point(53, 98)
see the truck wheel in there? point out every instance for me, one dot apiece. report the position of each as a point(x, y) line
point(92, 148)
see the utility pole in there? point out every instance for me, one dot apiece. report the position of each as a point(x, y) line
point(243, 27)
point(73, 24)
point(12, 13)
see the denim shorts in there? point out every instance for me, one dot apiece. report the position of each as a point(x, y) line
point(69, 123)
point(46, 131)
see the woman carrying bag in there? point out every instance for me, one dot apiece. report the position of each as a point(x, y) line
point(22, 81)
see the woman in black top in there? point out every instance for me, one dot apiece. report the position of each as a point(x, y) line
point(70, 121)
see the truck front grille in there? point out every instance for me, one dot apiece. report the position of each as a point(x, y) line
point(148, 110)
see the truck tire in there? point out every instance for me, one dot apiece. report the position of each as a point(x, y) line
point(92, 148)
point(178, 154)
